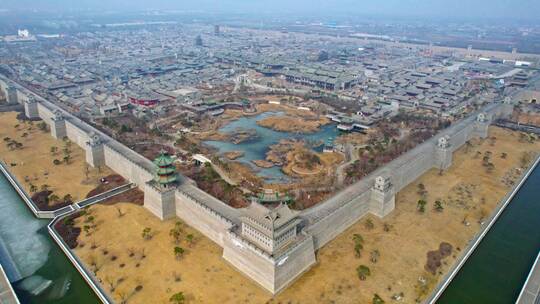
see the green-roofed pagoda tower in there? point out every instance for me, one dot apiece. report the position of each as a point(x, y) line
point(159, 192)
point(166, 171)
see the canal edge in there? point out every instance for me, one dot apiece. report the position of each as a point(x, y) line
point(22, 193)
point(6, 289)
point(534, 275)
point(57, 215)
point(88, 276)
point(441, 287)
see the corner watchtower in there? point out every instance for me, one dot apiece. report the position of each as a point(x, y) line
point(159, 193)
point(269, 229)
point(269, 246)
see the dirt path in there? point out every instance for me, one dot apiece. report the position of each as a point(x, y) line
point(352, 156)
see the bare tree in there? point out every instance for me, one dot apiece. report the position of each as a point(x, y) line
point(374, 256)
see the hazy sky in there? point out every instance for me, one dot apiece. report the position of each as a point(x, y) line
point(512, 9)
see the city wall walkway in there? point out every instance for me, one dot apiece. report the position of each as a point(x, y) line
point(362, 186)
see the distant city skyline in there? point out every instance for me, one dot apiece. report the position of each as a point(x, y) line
point(476, 9)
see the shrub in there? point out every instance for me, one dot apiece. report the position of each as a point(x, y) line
point(178, 298)
point(147, 233)
point(363, 272)
point(377, 299)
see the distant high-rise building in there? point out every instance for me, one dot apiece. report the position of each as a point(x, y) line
point(216, 30)
point(198, 41)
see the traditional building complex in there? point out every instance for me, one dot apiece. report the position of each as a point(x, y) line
point(272, 246)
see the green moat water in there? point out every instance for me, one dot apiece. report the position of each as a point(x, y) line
point(257, 148)
point(36, 255)
point(496, 271)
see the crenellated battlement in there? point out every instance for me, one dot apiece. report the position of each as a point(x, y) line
point(290, 238)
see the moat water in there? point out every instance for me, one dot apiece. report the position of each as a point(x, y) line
point(496, 271)
point(257, 148)
point(44, 268)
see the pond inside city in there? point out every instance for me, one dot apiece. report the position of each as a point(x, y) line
point(257, 147)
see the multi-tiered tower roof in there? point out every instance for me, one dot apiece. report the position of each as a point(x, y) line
point(166, 172)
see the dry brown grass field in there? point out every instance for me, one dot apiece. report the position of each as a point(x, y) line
point(468, 192)
point(34, 161)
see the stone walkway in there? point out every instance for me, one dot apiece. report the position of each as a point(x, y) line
point(530, 294)
point(7, 295)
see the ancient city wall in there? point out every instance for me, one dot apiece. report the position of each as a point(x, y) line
point(121, 159)
point(274, 273)
point(199, 216)
point(321, 223)
point(330, 218)
point(249, 259)
point(461, 136)
point(126, 167)
point(328, 227)
point(293, 263)
point(45, 113)
point(76, 135)
point(408, 169)
point(346, 208)
point(78, 132)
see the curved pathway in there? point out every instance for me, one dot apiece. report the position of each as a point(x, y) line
point(352, 155)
